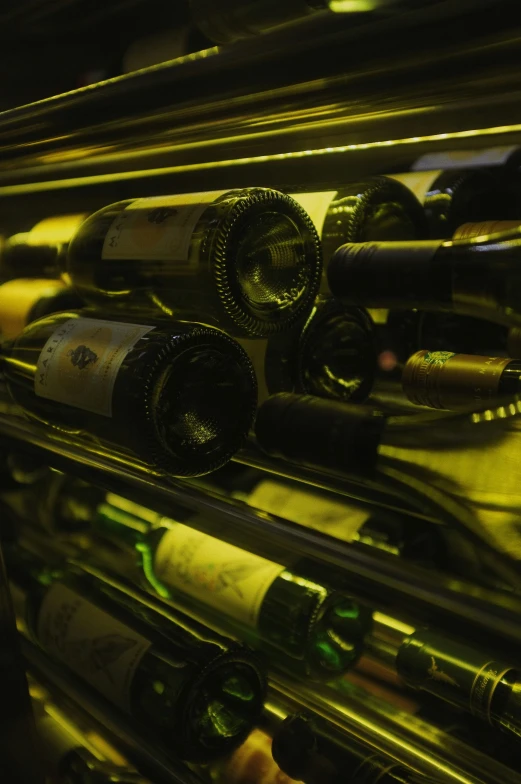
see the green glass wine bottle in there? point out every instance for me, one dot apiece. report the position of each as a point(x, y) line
point(301, 622)
point(247, 260)
point(310, 749)
point(197, 692)
point(25, 300)
point(188, 390)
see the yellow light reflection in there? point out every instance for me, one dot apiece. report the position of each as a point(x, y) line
point(35, 187)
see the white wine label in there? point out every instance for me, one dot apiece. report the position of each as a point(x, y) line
point(216, 573)
point(465, 159)
point(470, 230)
point(419, 183)
point(99, 648)
point(308, 509)
point(316, 206)
point(79, 363)
point(157, 228)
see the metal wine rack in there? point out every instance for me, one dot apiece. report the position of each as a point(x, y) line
point(311, 105)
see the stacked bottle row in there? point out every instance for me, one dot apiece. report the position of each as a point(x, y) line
point(85, 564)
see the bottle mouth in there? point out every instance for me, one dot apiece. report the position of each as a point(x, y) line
point(338, 638)
point(204, 407)
point(224, 706)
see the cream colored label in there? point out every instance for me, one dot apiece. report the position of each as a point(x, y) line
point(464, 159)
point(216, 573)
point(316, 206)
point(308, 509)
point(96, 646)
point(470, 230)
point(79, 363)
point(419, 183)
point(157, 228)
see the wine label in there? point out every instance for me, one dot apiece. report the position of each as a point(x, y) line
point(316, 206)
point(441, 379)
point(470, 230)
point(216, 573)
point(79, 363)
point(322, 514)
point(97, 647)
point(420, 183)
point(18, 297)
point(465, 159)
point(157, 228)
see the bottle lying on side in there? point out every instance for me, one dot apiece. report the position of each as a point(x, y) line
point(456, 196)
point(248, 260)
point(177, 397)
point(199, 694)
point(313, 750)
point(23, 301)
point(40, 252)
point(333, 355)
point(442, 379)
point(479, 277)
point(74, 750)
point(377, 208)
point(303, 623)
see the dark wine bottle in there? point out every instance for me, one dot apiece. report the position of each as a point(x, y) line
point(478, 277)
point(407, 331)
point(74, 752)
point(303, 619)
point(456, 196)
point(442, 379)
point(29, 299)
point(40, 252)
point(310, 749)
point(320, 433)
point(231, 20)
point(198, 693)
point(464, 676)
point(249, 260)
point(332, 356)
point(188, 390)
point(378, 208)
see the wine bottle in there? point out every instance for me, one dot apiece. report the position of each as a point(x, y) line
point(58, 503)
point(188, 390)
point(332, 356)
point(464, 676)
point(310, 749)
point(407, 331)
point(456, 196)
point(231, 20)
point(302, 619)
point(251, 763)
point(378, 208)
point(40, 252)
point(29, 299)
point(249, 260)
point(75, 753)
point(442, 379)
point(196, 692)
point(337, 436)
point(478, 277)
